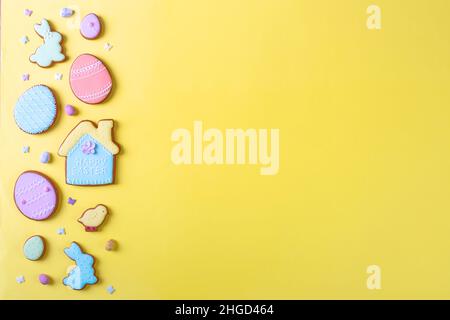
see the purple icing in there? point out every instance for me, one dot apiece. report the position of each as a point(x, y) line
point(89, 147)
point(31, 196)
point(90, 26)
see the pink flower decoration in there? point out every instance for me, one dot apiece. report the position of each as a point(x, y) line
point(88, 147)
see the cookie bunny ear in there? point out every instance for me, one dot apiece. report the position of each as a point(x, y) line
point(73, 252)
point(43, 28)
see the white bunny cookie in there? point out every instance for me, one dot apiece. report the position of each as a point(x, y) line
point(51, 50)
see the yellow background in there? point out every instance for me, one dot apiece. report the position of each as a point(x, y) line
point(364, 178)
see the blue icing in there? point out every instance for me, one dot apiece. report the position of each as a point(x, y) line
point(35, 110)
point(89, 168)
point(84, 273)
point(34, 248)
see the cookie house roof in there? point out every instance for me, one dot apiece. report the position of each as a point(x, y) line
point(102, 133)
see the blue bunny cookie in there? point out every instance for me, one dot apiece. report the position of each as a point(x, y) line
point(83, 273)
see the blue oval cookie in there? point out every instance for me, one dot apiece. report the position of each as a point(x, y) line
point(36, 110)
point(34, 248)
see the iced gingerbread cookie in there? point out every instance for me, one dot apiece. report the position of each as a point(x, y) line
point(83, 273)
point(91, 26)
point(51, 50)
point(90, 153)
point(35, 195)
point(36, 110)
point(34, 248)
point(92, 219)
point(90, 80)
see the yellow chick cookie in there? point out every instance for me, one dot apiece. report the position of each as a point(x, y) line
point(93, 218)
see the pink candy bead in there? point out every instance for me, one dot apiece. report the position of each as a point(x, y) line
point(44, 279)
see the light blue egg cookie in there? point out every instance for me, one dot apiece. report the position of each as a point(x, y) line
point(36, 110)
point(34, 248)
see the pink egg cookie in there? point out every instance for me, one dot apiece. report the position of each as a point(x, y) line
point(90, 80)
point(35, 195)
point(91, 26)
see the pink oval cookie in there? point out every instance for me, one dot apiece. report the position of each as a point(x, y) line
point(35, 195)
point(91, 27)
point(90, 80)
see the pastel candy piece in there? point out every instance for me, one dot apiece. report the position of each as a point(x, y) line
point(90, 80)
point(36, 110)
point(111, 245)
point(70, 110)
point(44, 279)
point(91, 27)
point(35, 196)
point(34, 248)
point(66, 12)
point(45, 157)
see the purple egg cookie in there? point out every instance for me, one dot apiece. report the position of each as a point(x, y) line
point(91, 27)
point(35, 196)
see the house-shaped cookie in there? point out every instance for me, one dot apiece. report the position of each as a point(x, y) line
point(90, 154)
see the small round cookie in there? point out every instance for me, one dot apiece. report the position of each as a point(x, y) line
point(36, 110)
point(91, 26)
point(90, 80)
point(34, 248)
point(35, 195)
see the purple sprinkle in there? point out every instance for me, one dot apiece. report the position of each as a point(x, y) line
point(28, 12)
point(71, 201)
point(25, 77)
point(66, 12)
point(45, 157)
point(44, 279)
point(70, 110)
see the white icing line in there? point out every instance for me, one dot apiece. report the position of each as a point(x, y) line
point(86, 68)
point(98, 94)
point(90, 75)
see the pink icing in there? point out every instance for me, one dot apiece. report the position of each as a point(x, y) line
point(90, 26)
point(32, 198)
point(90, 80)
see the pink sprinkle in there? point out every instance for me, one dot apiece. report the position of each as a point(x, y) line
point(70, 110)
point(28, 12)
point(44, 279)
point(47, 189)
